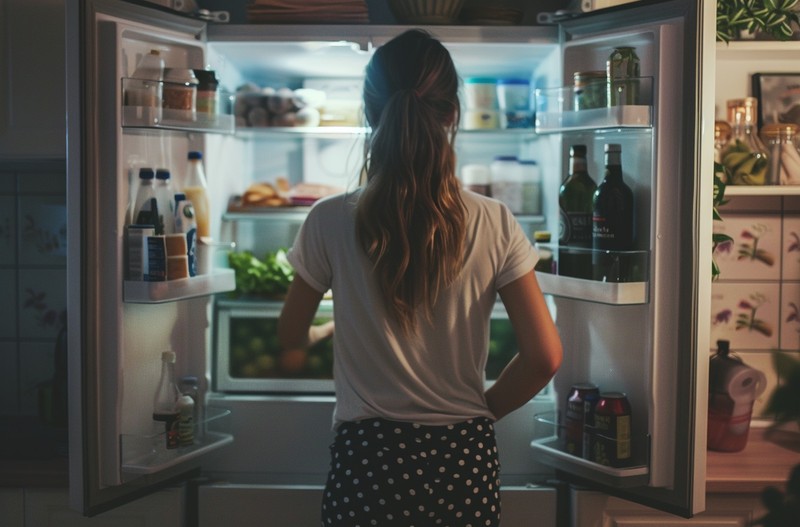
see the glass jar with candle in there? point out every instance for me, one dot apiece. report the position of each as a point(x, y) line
point(745, 156)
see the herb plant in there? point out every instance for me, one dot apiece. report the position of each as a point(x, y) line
point(773, 17)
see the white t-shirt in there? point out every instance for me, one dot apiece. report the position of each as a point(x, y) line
point(436, 377)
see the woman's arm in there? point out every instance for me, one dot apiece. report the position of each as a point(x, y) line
point(294, 325)
point(540, 351)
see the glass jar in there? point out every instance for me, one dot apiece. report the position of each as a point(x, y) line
point(722, 134)
point(784, 165)
point(589, 90)
point(745, 156)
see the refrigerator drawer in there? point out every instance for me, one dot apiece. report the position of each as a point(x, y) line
point(248, 358)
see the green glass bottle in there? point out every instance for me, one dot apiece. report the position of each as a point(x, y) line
point(575, 217)
point(612, 222)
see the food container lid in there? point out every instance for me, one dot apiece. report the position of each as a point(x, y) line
point(480, 80)
point(541, 236)
point(505, 158)
point(513, 82)
point(779, 129)
point(206, 79)
point(146, 173)
point(180, 75)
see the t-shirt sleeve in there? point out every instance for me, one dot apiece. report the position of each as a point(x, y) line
point(308, 255)
point(520, 257)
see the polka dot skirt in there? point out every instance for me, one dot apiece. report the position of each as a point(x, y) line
point(391, 473)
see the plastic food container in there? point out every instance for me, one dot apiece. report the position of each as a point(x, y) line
point(477, 178)
point(481, 119)
point(507, 182)
point(481, 92)
point(513, 96)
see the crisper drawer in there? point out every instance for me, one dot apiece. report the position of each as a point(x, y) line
point(248, 358)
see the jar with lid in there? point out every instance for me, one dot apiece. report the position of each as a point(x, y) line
point(206, 91)
point(180, 92)
point(745, 156)
point(545, 264)
point(784, 158)
point(589, 90)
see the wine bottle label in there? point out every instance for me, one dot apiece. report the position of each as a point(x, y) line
point(575, 229)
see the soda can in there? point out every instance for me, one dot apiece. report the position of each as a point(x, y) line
point(612, 425)
point(573, 416)
point(623, 72)
point(589, 403)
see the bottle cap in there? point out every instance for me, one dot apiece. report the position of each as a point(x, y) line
point(195, 155)
point(541, 236)
point(162, 173)
point(146, 173)
point(168, 356)
point(206, 79)
point(180, 76)
point(577, 150)
point(179, 196)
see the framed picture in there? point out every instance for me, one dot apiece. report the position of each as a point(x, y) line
point(778, 97)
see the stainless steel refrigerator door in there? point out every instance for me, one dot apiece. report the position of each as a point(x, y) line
point(653, 346)
point(108, 335)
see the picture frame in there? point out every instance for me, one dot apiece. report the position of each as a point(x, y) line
point(778, 97)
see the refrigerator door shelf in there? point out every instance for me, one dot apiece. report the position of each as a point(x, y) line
point(612, 293)
point(141, 292)
point(144, 454)
point(549, 453)
point(595, 119)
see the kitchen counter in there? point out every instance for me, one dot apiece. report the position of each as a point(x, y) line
point(766, 460)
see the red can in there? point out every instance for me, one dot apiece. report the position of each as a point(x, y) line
point(574, 416)
point(589, 404)
point(612, 426)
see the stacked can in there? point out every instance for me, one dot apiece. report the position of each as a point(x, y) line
point(574, 416)
point(611, 444)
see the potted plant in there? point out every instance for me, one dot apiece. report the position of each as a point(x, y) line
point(772, 17)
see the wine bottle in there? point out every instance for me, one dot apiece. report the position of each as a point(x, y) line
point(612, 222)
point(575, 211)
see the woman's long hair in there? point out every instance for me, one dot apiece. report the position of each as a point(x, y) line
point(410, 218)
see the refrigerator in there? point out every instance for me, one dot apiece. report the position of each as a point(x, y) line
point(647, 337)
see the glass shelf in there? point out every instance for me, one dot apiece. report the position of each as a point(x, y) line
point(550, 451)
point(142, 292)
point(295, 214)
point(146, 454)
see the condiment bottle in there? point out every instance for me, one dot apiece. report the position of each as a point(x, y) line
point(195, 188)
point(541, 241)
point(745, 156)
point(575, 217)
point(189, 385)
point(165, 408)
point(146, 204)
point(784, 159)
point(612, 221)
point(164, 198)
point(206, 91)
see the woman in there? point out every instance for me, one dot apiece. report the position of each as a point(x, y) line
point(415, 264)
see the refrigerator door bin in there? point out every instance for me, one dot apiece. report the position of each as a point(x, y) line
point(143, 292)
point(150, 116)
point(550, 451)
point(145, 454)
point(556, 110)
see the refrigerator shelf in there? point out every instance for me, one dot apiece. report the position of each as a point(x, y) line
point(141, 292)
point(595, 119)
point(148, 118)
point(142, 455)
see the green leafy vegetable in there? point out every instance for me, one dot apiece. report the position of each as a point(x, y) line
point(268, 276)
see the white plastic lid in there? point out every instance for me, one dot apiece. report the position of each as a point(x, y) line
point(180, 75)
point(476, 174)
point(168, 356)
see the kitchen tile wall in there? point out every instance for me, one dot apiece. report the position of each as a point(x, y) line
point(755, 301)
point(33, 230)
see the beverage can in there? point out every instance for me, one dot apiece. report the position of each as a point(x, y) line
point(623, 71)
point(574, 416)
point(589, 404)
point(612, 425)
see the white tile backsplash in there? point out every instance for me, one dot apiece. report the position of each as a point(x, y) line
point(42, 302)
point(790, 316)
point(42, 230)
point(755, 253)
point(746, 313)
point(791, 247)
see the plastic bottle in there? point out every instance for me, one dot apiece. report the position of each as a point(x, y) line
point(612, 222)
point(575, 215)
point(146, 205)
point(165, 410)
point(185, 420)
point(144, 90)
point(195, 188)
point(745, 156)
point(189, 385)
point(164, 198)
point(185, 223)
